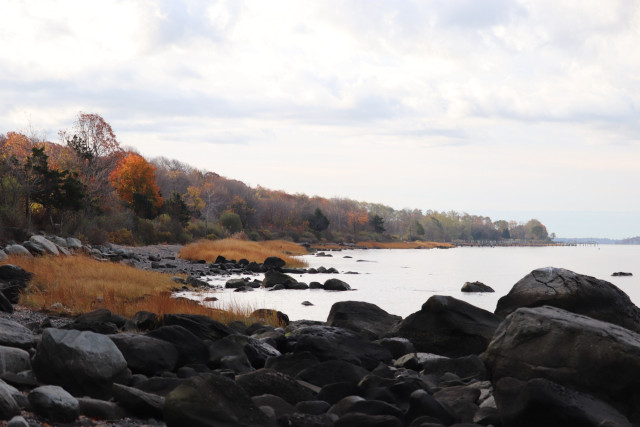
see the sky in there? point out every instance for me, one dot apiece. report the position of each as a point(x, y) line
point(513, 109)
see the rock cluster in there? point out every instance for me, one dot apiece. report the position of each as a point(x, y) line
point(551, 355)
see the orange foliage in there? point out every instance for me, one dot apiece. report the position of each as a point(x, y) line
point(133, 174)
point(16, 144)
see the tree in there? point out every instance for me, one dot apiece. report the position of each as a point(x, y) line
point(357, 218)
point(178, 209)
point(318, 221)
point(377, 223)
point(231, 221)
point(133, 175)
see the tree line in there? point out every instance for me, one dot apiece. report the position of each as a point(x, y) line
point(89, 186)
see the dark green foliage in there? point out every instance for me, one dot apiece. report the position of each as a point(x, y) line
point(231, 221)
point(143, 206)
point(318, 221)
point(177, 209)
point(81, 147)
point(377, 223)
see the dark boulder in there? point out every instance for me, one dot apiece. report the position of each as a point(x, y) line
point(540, 402)
point(13, 334)
point(622, 274)
point(228, 353)
point(359, 419)
point(333, 371)
point(292, 363)
point(273, 262)
point(280, 406)
point(235, 283)
point(572, 350)
point(191, 349)
point(201, 326)
point(462, 400)
point(269, 314)
point(211, 400)
point(573, 292)
point(421, 403)
point(146, 355)
point(5, 304)
point(398, 346)
point(83, 363)
point(449, 327)
point(476, 287)
point(54, 404)
point(336, 285)
point(268, 381)
point(273, 277)
point(145, 320)
point(140, 403)
point(366, 319)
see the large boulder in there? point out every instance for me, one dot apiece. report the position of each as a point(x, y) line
point(273, 262)
point(3, 255)
point(476, 287)
point(211, 400)
point(83, 363)
point(146, 355)
point(572, 292)
point(201, 326)
point(366, 319)
point(274, 277)
point(575, 351)
point(54, 403)
point(540, 402)
point(268, 381)
point(46, 244)
point(449, 327)
point(191, 349)
point(336, 285)
point(17, 250)
point(13, 334)
point(14, 360)
point(13, 279)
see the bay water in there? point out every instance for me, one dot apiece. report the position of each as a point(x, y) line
point(401, 280)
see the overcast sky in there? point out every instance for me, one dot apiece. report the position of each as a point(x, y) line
point(512, 109)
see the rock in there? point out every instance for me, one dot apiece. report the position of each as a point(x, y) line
point(462, 400)
point(333, 371)
point(306, 303)
point(316, 285)
point(3, 255)
point(273, 262)
point(366, 319)
point(101, 409)
point(145, 320)
point(8, 405)
point(336, 285)
point(83, 363)
point(212, 400)
point(46, 244)
point(466, 367)
point(422, 404)
point(280, 406)
point(540, 402)
point(54, 403)
point(312, 407)
point(146, 355)
point(235, 283)
point(140, 403)
point(375, 407)
point(398, 346)
point(273, 277)
point(73, 243)
point(572, 292)
point(13, 334)
point(291, 363)
point(17, 421)
point(5, 304)
point(14, 273)
point(364, 420)
point(476, 287)
point(572, 350)
point(330, 343)
point(17, 250)
point(159, 385)
point(228, 353)
point(621, 273)
point(14, 360)
point(449, 327)
point(191, 349)
point(268, 314)
point(268, 381)
point(201, 326)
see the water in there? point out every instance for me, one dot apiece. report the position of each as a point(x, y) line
point(400, 281)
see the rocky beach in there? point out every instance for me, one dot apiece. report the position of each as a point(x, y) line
point(561, 349)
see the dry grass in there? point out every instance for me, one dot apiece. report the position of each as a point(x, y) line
point(81, 284)
point(239, 249)
point(384, 245)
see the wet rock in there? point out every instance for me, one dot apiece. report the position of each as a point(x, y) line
point(476, 287)
point(336, 285)
point(573, 292)
point(366, 319)
point(449, 327)
point(273, 277)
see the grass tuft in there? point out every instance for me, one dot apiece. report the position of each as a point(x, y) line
point(209, 250)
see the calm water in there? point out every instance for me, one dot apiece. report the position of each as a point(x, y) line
point(400, 281)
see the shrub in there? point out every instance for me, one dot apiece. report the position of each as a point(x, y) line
point(231, 221)
point(122, 237)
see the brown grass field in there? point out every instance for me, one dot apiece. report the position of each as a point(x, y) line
point(239, 249)
point(82, 284)
point(385, 245)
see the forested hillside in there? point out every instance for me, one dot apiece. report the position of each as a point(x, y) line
point(89, 186)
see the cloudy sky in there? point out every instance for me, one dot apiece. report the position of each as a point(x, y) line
point(512, 109)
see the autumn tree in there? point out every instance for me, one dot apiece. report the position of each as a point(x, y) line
point(318, 221)
point(134, 181)
point(356, 219)
point(377, 223)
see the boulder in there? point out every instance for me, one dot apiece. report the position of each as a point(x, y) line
point(73, 243)
point(331, 343)
point(235, 283)
point(13, 334)
point(540, 402)
point(14, 273)
point(3, 255)
point(273, 262)
point(476, 287)
point(462, 400)
point(8, 405)
point(17, 421)
point(17, 250)
point(146, 355)
point(101, 409)
point(622, 274)
point(358, 419)
point(572, 350)
point(54, 403)
point(14, 360)
point(5, 304)
point(161, 386)
point(292, 363)
point(145, 320)
point(191, 349)
point(228, 353)
point(140, 403)
point(333, 371)
point(421, 403)
point(572, 292)
point(449, 327)
point(280, 406)
point(336, 285)
point(83, 363)
point(398, 346)
point(269, 314)
point(273, 277)
point(46, 244)
point(212, 400)
point(366, 319)
point(268, 381)
point(201, 326)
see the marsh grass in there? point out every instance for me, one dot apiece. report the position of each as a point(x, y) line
point(238, 249)
point(79, 284)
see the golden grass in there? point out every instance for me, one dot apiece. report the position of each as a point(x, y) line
point(81, 284)
point(239, 249)
point(384, 245)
